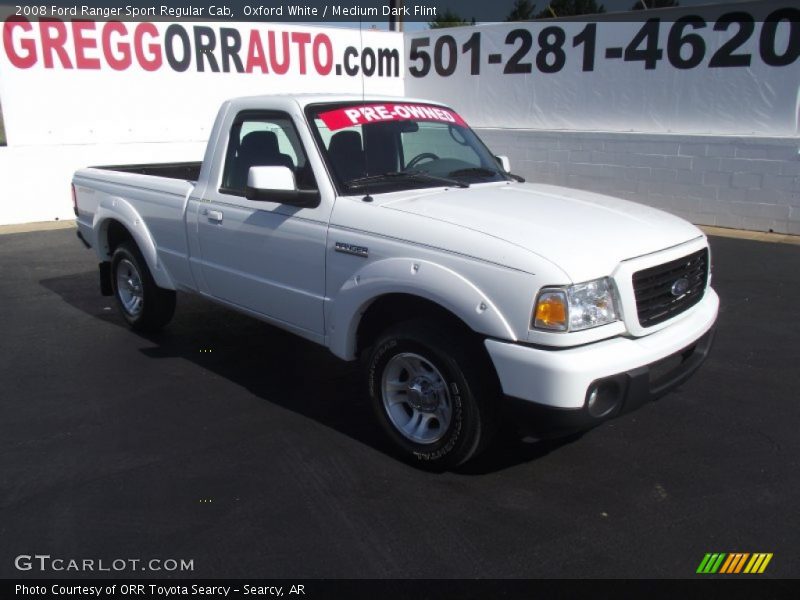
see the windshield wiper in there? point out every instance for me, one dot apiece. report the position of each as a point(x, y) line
point(361, 182)
point(473, 171)
point(483, 171)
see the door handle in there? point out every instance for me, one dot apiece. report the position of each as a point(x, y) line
point(213, 215)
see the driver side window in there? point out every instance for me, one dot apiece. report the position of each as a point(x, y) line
point(266, 139)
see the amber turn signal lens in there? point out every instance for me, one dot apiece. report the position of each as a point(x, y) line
point(551, 311)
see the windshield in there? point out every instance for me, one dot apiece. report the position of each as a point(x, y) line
point(383, 147)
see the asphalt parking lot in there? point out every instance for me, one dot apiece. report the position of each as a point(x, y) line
point(253, 453)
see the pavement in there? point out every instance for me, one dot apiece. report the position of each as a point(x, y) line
point(254, 454)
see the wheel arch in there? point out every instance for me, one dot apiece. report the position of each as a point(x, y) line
point(124, 224)
point(393, 308)
point(392, 290)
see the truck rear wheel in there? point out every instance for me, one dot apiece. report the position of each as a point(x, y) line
point(144, 305)
point(433, 393)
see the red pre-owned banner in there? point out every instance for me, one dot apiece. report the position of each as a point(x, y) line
point(376, 113)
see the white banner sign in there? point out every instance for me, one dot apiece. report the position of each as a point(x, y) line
point(724, 70)
point(77, 81)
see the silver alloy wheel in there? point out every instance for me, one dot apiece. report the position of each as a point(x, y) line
point(129, 287)
point(416, 398)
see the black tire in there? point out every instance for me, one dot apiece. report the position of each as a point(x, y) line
point(155, 305)
point(454, 358)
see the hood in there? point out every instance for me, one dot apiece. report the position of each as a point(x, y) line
point(585, 234)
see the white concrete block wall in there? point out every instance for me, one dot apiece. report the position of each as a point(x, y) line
point(728, 181)
point(35, 180)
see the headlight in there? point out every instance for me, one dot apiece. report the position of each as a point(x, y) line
point(576, 307)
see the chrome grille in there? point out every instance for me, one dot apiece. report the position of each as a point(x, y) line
point(659, 293)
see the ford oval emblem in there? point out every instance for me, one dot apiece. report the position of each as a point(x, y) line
point(680, 287)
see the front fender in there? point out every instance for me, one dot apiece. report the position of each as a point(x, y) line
point(427, 280)
point(115, 208)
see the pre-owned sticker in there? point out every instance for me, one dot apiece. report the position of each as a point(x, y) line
point(381, 113)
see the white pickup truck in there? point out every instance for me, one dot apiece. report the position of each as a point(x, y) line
point(384, 229)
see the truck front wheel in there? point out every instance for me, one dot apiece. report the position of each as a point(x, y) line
point(144, 305)
point(433, 393)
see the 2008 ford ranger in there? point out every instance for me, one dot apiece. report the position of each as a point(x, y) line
point(385, 229)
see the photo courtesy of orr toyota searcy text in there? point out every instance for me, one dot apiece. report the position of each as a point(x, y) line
point(154, 590)
point(89, 45)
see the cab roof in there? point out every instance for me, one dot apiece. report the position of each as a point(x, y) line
point(284, 101)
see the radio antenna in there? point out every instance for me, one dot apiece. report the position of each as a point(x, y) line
point(361, 41)
point(367, 197)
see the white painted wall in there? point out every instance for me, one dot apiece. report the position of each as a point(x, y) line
point(728, 181)
point(36, 178)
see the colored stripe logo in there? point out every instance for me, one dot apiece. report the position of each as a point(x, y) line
point(734, 563)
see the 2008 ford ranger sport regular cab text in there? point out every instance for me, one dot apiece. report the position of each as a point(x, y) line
point(384, 229)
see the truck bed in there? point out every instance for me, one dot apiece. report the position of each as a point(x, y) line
point(189, 171)
point(149, 199)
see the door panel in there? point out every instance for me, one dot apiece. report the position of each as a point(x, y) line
point(264, 256)
point(264, 260)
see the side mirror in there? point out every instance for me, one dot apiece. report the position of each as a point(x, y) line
point(277, 184)
point(504, 162)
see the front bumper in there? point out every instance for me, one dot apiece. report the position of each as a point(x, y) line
point(552, 388)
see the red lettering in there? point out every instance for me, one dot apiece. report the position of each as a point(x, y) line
point(54, 35)
point(120, 60)
point(83, 43)
point(153, 61)
point(278, 68)
point(27, 45)
point(322, 41)
point(301, 39)
point(255, 54)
